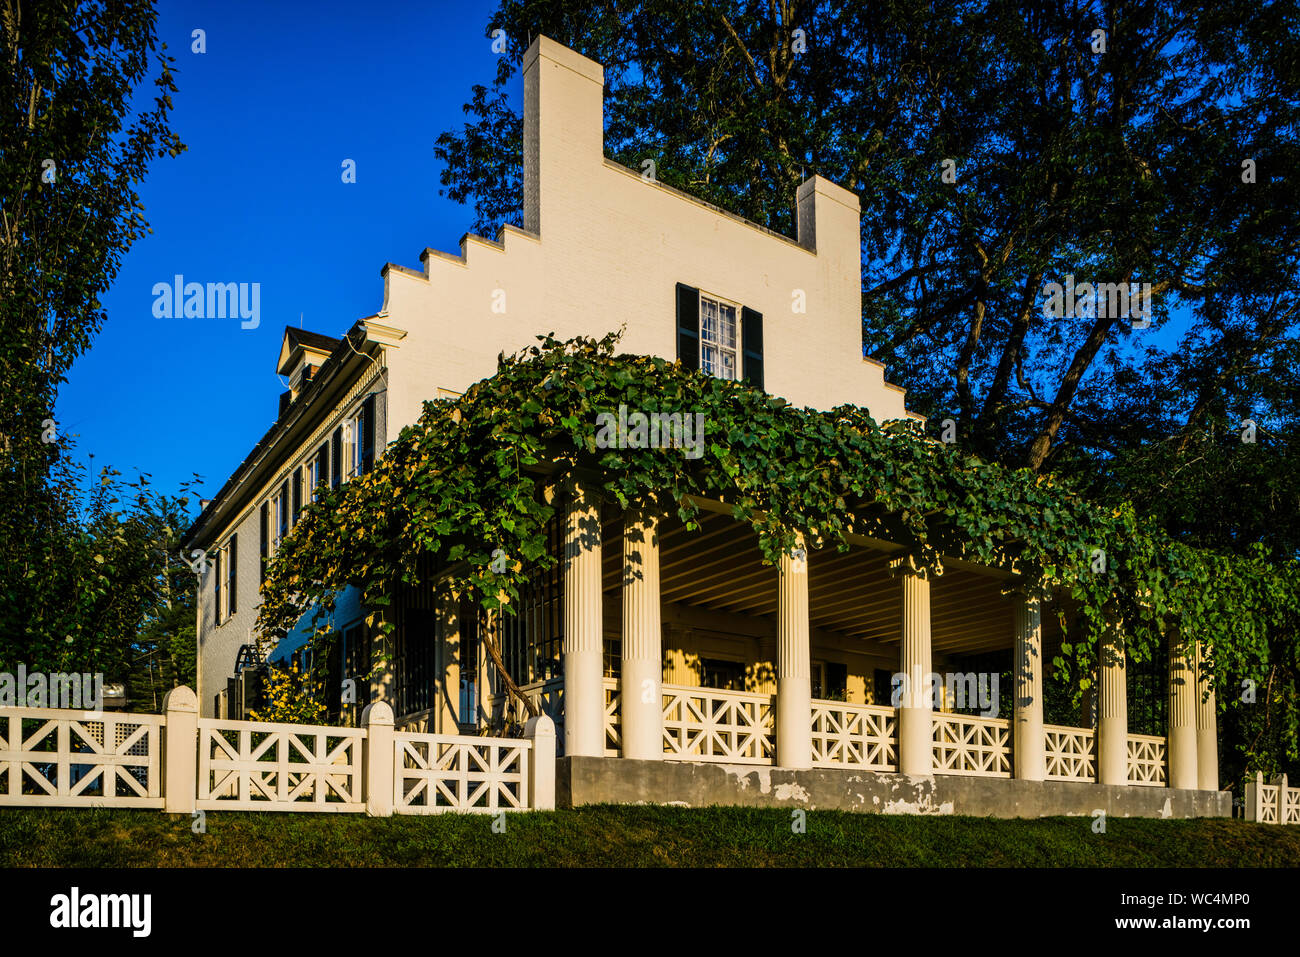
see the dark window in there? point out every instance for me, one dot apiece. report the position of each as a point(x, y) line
point(322, 469)
point(232, 569)
point(883, 686)
point(530, 639)
point(751, 343)
point(283, 509)
point(688, 326)
point(336, 458)
point(469, 624)
point(613, 655)
point(830, 681)
point(297, 494)
point(721, 674)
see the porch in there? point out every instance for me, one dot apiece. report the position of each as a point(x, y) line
point(842, 662)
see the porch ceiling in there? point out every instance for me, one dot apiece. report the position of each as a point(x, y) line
point(719, 567)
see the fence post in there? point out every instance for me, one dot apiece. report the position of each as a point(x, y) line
point(541, 765)
point(377, 760)
point(1251, 802)
point(180, 750)
point(1281, 798)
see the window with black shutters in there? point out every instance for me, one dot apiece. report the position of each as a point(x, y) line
point(719, 337)
point(336, 458)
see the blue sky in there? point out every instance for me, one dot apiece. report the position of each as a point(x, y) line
point(284, 94)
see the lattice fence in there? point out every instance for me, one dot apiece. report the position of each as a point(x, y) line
point(853, 735)
point(65, 758)
point(438, 773)
point(613, 723)
point(1290, 805)
point(1146, 760)
point(256, 766)
point(1071, 753)
point(705, 724)
point(965, 744)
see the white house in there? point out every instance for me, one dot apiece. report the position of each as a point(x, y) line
point(755, 674)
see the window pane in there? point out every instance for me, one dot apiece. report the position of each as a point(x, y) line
point(728, 370)
point(727, 327)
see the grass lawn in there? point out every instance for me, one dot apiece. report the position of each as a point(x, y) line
point(628, 836)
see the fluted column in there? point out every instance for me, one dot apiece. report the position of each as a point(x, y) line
point(584, 696)
point(1112, 707)
point(1207, 724)
point(642, 668)
point(793, 681)
point(915, 728)
point(1029, 745)
point(1180, 747)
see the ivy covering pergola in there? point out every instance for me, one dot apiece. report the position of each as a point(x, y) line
point(472, 476)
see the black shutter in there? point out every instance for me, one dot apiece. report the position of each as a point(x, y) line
point(336, 458)
point(264, 542)
point(751, 341)
point(284, 508)
point(233, 571)
point(322, 467)
point(368, 433)
point(216, 580)
point(297, 494)
point(688, 326)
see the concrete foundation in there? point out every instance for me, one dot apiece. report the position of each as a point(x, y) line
point(598, 780)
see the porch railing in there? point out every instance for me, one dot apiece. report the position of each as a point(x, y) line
point(969, 744)
point(1146, 760)
point(706, 724)
point(1071, 753)
point(853, 735)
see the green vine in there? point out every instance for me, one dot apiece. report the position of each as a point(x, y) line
point(478, 473)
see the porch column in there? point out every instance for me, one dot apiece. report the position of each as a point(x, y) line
point(1180, 747)
point(642, 657)
point(1112, 707)
point(1029, 746)
point(915, 729)
point(584, 697)
point(1207, 722)
point(793, 672)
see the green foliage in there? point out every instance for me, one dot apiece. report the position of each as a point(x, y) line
point(477, 473)
point(291, 697)
point(79, 573)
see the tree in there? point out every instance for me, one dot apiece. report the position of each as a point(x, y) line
point(998, 148)
point(77, 578)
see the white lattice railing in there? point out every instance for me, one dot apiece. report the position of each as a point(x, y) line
point(1071, 753)
point(1146, 760)
point(260, 766)
point(1290, 805)
point(434, 773)
point(853, 735)
point(968, 744)
point(613, 724)
point(62, 758)
point(706, 724)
